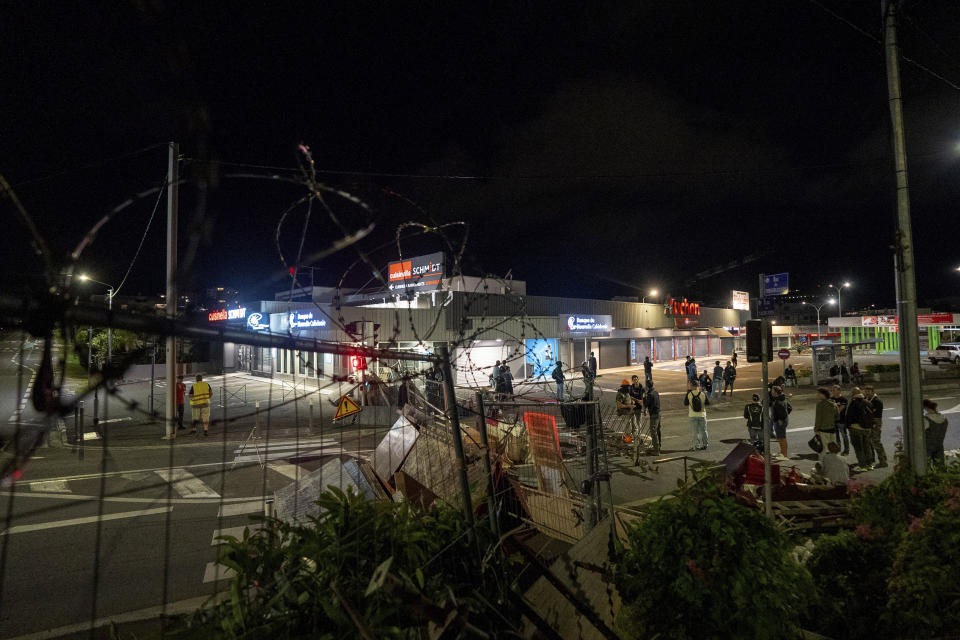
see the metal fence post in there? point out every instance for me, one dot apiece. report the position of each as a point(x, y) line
point(491, 502)
point(80, 432)
point(453, 413)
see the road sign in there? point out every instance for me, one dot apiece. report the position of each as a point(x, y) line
point(777, 284)
point(784, 354)
point(346, 407)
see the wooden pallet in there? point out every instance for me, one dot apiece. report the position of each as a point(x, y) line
point(814, 514)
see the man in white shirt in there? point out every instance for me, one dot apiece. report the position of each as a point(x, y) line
point(696, 401)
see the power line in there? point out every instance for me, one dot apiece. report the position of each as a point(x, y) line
point(90, 165)
point(156, 205)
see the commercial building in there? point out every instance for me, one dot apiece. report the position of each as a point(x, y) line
point(482, 321)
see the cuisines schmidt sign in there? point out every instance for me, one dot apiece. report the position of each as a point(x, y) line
point(422, 272)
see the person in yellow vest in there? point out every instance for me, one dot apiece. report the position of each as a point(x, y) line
point(200, 394)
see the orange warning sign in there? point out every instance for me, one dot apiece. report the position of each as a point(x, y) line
point(346, 407)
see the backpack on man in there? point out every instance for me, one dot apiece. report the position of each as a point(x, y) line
point(696, 403)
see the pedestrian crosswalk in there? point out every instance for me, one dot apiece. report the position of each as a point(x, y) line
point(257, 450)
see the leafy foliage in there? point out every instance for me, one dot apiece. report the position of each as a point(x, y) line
point(702, 565)
point(895, 576)
point(850, 572)
point(315, 579)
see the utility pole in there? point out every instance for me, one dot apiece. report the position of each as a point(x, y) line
point(910, 389)
point(765, 398)
point(106, 395)
point(173, 194)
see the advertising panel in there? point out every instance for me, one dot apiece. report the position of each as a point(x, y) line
point(878, 321)
point(935, 318)
point(423, 273)
point(541, 356)
point(585, 326)
point(777, 284)
point(741, 300)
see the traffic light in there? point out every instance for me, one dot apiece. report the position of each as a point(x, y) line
point(358, 363)
point(754, 340)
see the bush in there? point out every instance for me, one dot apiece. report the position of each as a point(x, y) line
point(850, 573)
point(882, 368)
point(804, 373)
point(316, 579)
point(924, 585)
point(895, 576)
point(704, 566)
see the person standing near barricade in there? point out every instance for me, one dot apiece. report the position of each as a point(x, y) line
point(200, 394)
point(825, 420)
point(558, 378)
point(647, 370)
point(651, 404)
point(753, 414)
point(859, 422)
point(588, 378)
point(592, 361)
point(181, 392)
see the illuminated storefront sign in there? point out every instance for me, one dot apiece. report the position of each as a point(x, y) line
point(423, 272)
point(741, 300)
point(305, 320)
point(255, 322)
point(681, 308)
point(227, 314)
point(585, 325)
point(878, 321)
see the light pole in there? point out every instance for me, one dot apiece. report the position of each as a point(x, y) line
point(652, 293)
point(818, 307)
point(84, 277)
point(839, 305)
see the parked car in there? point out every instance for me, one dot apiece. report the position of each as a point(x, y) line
point(946, 352)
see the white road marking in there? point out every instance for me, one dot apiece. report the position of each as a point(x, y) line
point(50, 486)
point(944, 398)
point(26, 528)
point(241, 508)
point(799, 429)
point(187, 484)
point(214, 572)
point(251, 455)
point(236, 532)
point(290, 470)
point(124, 419)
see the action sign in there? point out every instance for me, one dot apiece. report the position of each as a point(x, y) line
point(784, 354)
point(346, 407)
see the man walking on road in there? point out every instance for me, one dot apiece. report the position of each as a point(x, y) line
point(181, 392)
point(697, 401)
point(873, 435)
point(717, 378)
point(647, 370)
point(200, 394)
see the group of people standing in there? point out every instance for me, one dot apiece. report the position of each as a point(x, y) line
point(501, 379)
point(635, 400)
point(712, 384)
point(588, 370)
point(857, 421)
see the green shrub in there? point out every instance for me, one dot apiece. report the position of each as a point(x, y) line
point(804, 373)
point(890, 507)
point(924, 586)
point(704, 566)
point(850, 573)
point(311, 580)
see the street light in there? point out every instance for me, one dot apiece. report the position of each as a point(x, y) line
point(839, 305)
point(84, 277)
point(654, 292)
point(818, 307)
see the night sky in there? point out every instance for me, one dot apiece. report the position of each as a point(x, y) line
point(595, 149)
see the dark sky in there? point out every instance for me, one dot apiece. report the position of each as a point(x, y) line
point(595, 149)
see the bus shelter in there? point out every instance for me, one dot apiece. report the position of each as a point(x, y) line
point(829, 357)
